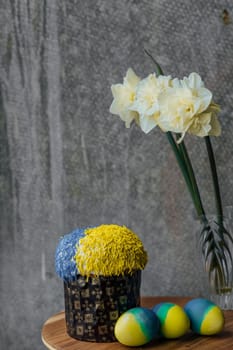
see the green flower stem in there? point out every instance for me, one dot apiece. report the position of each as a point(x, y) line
point(183, 167)
point(196, 193)
point(183, 160)
point(158, 69)
point(217, 194)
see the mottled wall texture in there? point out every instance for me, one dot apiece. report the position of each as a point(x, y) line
point(65, 162)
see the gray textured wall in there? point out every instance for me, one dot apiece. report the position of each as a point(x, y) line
point(66, 162)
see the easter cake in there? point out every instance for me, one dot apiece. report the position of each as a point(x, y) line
point(101, 269)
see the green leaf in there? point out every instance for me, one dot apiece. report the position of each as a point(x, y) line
point(158, 69)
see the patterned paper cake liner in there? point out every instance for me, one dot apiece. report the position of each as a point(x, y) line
point(93, 305)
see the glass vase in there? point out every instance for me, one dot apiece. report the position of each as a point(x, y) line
point(215, 243)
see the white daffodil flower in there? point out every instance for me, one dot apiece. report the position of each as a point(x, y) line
point(176, 105)
point(146, 100)
point(206, 123)
point(181, 103)
point(124, 96)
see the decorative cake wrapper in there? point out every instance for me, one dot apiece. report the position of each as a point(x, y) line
point(93, 305)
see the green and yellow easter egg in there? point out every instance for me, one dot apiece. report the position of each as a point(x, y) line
point(137, 326)
point(206, 317)
point(173, 319)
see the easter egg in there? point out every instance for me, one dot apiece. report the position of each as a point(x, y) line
point(137, 327)
point(206, 317)
point(173, 319)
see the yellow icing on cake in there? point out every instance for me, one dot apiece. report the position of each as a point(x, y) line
point(110, 250)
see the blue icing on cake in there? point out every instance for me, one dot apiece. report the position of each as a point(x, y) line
point(64, 262)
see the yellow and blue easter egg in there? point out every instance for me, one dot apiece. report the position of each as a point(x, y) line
point(137, 327)
point(206, 317)
point(173, 319)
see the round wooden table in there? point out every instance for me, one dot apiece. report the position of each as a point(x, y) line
point(54, 334)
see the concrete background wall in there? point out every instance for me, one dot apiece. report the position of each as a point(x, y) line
point(65, 162)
